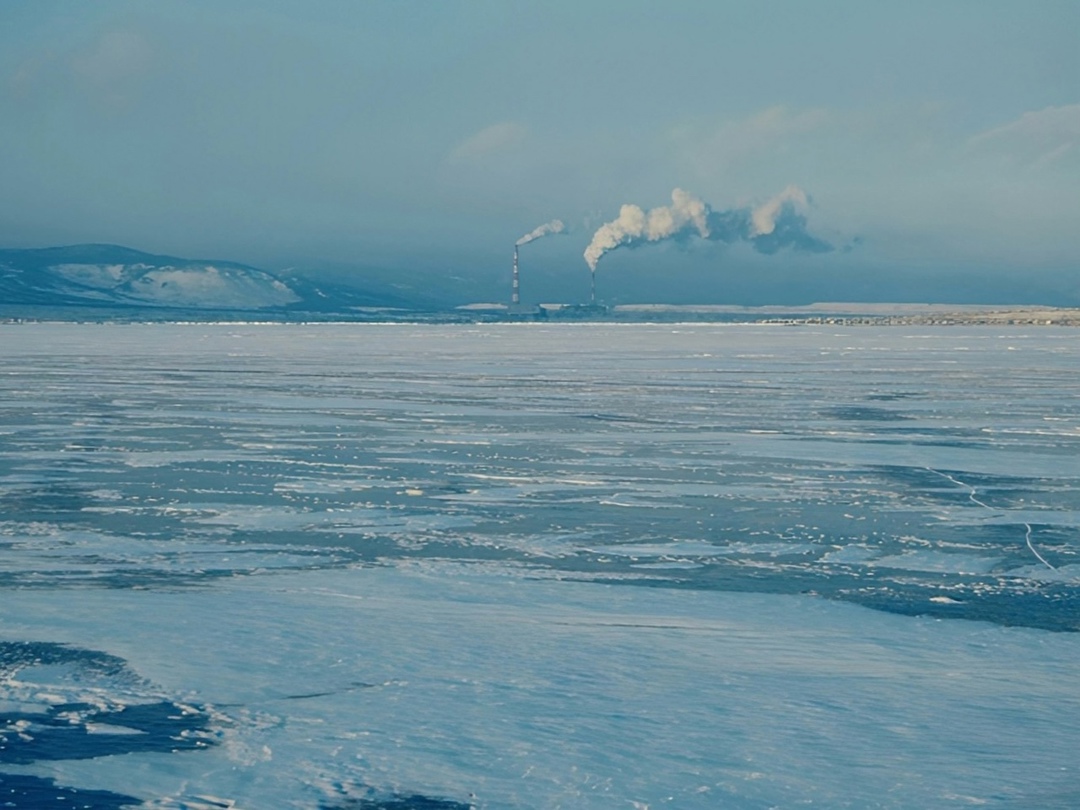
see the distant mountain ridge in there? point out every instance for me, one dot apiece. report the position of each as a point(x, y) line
point(100, 275)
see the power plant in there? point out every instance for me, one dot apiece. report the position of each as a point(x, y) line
point(779, 222)
point(518, 310)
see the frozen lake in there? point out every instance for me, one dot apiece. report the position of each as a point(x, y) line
point(539, 566)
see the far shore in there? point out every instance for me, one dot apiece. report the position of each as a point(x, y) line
point(873, 313)
point(838, 313)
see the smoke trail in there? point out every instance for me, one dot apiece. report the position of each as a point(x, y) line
point(778, 223)
point(634, 225)
point(763, 218)
point(555, 226)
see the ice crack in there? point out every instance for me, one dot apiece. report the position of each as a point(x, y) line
point(971, 496)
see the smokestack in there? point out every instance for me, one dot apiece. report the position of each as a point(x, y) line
point(592, 287)
point(515, 298)
point(548, 228)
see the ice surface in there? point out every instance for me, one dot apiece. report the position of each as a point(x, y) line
point(441, 680)
point(539, 566)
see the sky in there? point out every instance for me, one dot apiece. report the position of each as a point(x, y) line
point(937, 143)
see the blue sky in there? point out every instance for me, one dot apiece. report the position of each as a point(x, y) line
point(425, 137)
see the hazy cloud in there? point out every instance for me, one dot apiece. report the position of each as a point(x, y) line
point(490, 140)
point(1037, 137)
point(110, 69)
point(27, 77)
point(714, 147)
point(115, 57)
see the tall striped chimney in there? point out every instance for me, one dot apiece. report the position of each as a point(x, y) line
point(515, 298)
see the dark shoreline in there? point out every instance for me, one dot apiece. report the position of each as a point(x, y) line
point(813, 315)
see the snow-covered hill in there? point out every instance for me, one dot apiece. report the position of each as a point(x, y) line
point(115, 276)
point(112, 275)
point(198, 285)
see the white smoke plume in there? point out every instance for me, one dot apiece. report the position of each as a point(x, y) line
point(555, 226)
point(634, 225)
point(778, 223)
point(763, 218)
